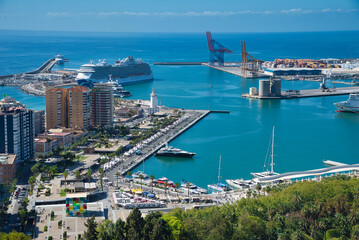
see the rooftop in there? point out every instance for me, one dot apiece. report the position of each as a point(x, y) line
point(76, 195)
point(78, 89)
point(7, 158)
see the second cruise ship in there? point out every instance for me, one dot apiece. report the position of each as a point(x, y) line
point(124, 71)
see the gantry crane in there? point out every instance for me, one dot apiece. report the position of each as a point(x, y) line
point(216, 51)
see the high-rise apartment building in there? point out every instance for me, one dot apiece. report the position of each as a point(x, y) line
point(102, 105)
point(39, 122)
point(17, 129)
point(79, 107)
point(56, 108)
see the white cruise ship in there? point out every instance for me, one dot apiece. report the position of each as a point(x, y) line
point(125, 71)
point(351, 105)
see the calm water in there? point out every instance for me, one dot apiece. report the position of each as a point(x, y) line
point(307, 130)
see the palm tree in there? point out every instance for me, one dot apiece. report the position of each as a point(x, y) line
point(65, 174)
point(166, 185)
point(188, 185)
point(141, 177)
point(117, 176)
point(129, 174)
point(152, 177)
point(89, 174)
point(177, 186)
point(77, 174)
point(100, 171)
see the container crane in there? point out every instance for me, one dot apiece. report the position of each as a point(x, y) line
point(216, 51)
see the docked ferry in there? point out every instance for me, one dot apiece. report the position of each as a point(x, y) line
point(124, 71)
point(351, 105)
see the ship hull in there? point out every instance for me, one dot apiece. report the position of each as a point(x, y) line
point(179, 155)
point(347, 109)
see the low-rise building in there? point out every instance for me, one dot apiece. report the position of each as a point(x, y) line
point(7, 168)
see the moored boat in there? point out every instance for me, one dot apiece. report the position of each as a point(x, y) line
point(169, 151)
point(351, 105)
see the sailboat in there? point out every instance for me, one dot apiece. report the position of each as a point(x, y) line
point(245, 184)
point(268, 172)
point(219, 186)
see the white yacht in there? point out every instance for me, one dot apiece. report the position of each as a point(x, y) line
point(350, 105)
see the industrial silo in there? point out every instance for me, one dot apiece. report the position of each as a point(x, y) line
point(276, 88)
point(264, 88)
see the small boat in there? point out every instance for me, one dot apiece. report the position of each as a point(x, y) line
point(351, 105)
point(354, 83)
point(219, 186)
point(117, 88)
point(241, 184)
point(268, 172)
point(193, 188)
point(137, 175)
point(169, 151)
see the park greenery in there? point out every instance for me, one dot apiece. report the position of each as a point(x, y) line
point(328, 209)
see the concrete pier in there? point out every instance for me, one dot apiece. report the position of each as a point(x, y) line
point(234, 68)
point(308, 93)
point(134, 160)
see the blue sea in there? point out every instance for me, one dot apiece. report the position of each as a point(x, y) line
point(308, 130)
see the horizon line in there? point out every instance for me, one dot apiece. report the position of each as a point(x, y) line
point(192, 32)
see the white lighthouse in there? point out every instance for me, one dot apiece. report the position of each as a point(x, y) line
point(154, 103)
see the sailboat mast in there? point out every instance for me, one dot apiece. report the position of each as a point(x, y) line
point(219, 168)
point(272, 155)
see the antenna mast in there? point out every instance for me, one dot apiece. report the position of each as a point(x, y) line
point(272, 156)
point(219, 168)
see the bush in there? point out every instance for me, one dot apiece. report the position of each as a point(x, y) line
point(59, 224)
point(332, 233)
point(52, 215)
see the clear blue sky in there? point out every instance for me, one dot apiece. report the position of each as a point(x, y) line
point(180, 15)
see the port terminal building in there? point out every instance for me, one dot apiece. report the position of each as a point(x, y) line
point(278, 72)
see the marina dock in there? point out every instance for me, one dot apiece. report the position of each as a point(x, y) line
point(309, 173)
point(333, 163)
point(289, 94)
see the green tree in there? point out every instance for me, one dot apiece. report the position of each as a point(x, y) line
point(134, 225)
point(77, 174)
point(106, 230)
point(141, 177)
point(100, 170)
point(152, 177)
point(120, 229)
point(129, 174)
point(89, 174)
point(117, 176)
point(177, 187)
point(65, 174)
point(23, 217)
point(91, 232)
